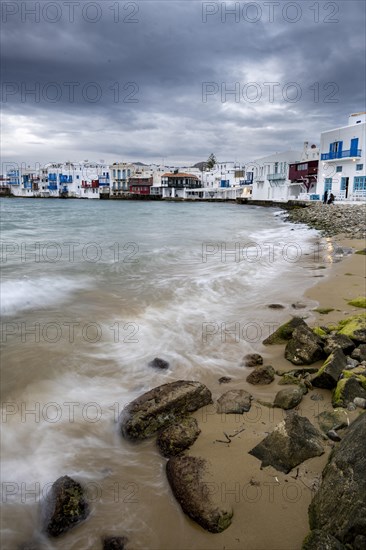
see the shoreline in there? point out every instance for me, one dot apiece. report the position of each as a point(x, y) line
point(265, 493)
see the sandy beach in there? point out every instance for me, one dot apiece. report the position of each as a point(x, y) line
point(271, 508)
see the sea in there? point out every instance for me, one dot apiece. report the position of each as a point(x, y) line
point(93, 291)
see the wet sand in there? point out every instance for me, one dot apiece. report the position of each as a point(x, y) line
point(270, 508)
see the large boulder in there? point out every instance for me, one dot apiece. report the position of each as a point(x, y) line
point(292, 441)
point(64, 506)
point(186, 476)
point(339, 506)
point(161, 406)
point(288, 398)
point(234, 402)
point(345, 392)
point(305, 347)
point(328, 375)
point(284, 332)
point(178, 437)
point(338, 341)
point(261, 375)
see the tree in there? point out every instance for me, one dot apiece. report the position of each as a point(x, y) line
point(211, 161)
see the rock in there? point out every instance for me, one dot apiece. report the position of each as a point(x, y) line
point(276, 306)
point(345, 392)
point(234, 402)
point(114, 543)
point(284, 332)
point(339, 218)
point(338, 341)
point(64, 506)
point(252, 360)
point(304, 348)
point(359, 353)
point(351, 407)
point(328, 375)
point(299, 372)
point(360, 301)
point(158, 363)
point(329, 420)
point(292, 441)
point(288, 398)
point(224, 380)
point(355, 328)
point(186, 476)
point(332, 434)
point(178, 436)
point(261, 375)
point(359, 543)
point(359, 402)
point(339, 506)
point(161, 406)
point(298, 305)
point(352, 363)
point(320, 540)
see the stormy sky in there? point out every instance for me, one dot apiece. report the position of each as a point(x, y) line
point(172, 81)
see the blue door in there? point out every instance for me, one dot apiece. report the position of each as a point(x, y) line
point(354, 147)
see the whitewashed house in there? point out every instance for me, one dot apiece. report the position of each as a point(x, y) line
point(343, 160)
point(225, 180)
point(271, 175)
point(81, 180)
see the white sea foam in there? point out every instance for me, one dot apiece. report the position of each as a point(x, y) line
point(24, 294)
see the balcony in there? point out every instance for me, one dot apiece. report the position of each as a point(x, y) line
point(276, 177)
point(335, 155)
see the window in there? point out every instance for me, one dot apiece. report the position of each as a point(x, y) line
point(77, 177)
point(303, 166)
point(359, 183)
point(339, 169)
point(359, 167)
point(327, 184)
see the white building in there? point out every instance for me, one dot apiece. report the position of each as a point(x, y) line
point(270, 175)
point(226, 180)
point(82, 180)
point(343, 160)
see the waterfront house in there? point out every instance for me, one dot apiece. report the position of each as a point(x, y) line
point(180, 185)
point(343, 160)
point(271, 175)
point(303, 175)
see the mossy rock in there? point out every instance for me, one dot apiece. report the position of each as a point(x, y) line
point(324, 310)
point(358, 302)
point(284, 332)
point(345, 392)
point(354, 327)
point(358, 373)
point(319, 332)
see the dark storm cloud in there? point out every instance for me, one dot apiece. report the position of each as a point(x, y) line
point(153, 79)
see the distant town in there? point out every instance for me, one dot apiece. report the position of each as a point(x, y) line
point(336, 166)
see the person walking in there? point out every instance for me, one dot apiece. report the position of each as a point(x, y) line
point(331, 199)
point(325, 197)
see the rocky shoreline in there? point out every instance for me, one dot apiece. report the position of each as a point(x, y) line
point(165, 412)
point(333, 219)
